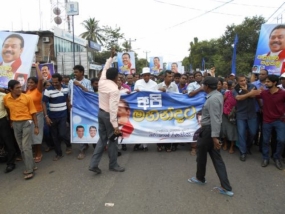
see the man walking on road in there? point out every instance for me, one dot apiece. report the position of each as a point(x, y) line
point(208, 138)
point(109, 97)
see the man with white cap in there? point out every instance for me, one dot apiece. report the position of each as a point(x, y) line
point(145, 84)
point(282, 80)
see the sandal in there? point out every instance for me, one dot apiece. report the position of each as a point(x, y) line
point(159, 149)
point(29, 176)
point(38, 159)
point(193, 152)
point(34, 169)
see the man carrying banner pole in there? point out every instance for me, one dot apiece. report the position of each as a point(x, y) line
point(109, 97)
point(208, 140)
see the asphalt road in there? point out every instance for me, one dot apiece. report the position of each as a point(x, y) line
point(152, 183)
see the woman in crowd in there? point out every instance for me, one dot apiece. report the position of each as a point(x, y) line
point(229, 128)
point(35, 89)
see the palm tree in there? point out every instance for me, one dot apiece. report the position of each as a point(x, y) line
point(93, 31)
point(127, 46)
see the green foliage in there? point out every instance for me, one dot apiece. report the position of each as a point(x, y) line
point(218, 52)
point(140, 64)
point(93, 31)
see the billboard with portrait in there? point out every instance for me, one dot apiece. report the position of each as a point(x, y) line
point(176, 67)
point(126, 62)
point(47, 70)
point(270, 52)
point(17, 52)
point(156, 64)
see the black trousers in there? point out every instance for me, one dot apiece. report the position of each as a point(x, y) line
point(58, 132)
point(7, 138)
point(205, 145)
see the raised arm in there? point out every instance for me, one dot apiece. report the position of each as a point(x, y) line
point(40, 78)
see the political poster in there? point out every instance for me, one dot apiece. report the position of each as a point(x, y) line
point(17, 52)
point(126, 62)
point(143, 117)
point(47, 70)
point(156, 65)
point(270, 52)
point(175, 67)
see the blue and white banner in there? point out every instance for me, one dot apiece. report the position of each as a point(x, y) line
point(143, 117)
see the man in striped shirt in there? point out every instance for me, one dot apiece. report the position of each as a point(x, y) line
point(57, 97)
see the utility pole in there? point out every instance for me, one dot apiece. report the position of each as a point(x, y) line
point(146, 52)
point(279, 18)
point(130, 43)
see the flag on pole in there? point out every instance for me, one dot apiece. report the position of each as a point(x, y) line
point(234, 55)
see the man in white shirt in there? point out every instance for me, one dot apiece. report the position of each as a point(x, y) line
point(195, 87)
point(170, 87)
point(145, 84)
point(80, 134)
point(92, 132)
point(167, 85)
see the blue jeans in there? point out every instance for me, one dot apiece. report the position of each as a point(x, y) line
point(242, 127)
point(279, 127)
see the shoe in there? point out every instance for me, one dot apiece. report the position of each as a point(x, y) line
point(278, 164)
point(117, 169)
point(124, 147)
point(10, 168)
point(119, 154)
point(81, 156)
point(265, 163)
point(223, 191)
point(57, 157)
point(68, 150)
point(96, 170)
point(136, 147)
point(194, 180)
point(242, 157)
point(145, 149)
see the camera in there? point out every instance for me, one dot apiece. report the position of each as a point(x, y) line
point(114, 136)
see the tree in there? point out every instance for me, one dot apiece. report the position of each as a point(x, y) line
point(218, 52)
point(127, 46)
point(93, 31)
point(112, 36)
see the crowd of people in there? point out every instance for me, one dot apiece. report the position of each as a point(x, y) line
point(253, 113)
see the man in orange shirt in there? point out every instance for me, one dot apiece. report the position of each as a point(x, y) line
point(22, 113)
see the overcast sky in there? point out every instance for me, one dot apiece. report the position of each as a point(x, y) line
point(161, 27)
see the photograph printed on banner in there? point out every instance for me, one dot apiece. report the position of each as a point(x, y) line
point(270, 52)
point(126, 62)
point(156, 65)
point(47, 70)
point(17, 52)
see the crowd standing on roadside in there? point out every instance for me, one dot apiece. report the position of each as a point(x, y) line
point(250, 111)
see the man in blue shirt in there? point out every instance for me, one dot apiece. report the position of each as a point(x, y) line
point(245, 114)
point(57, 97)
